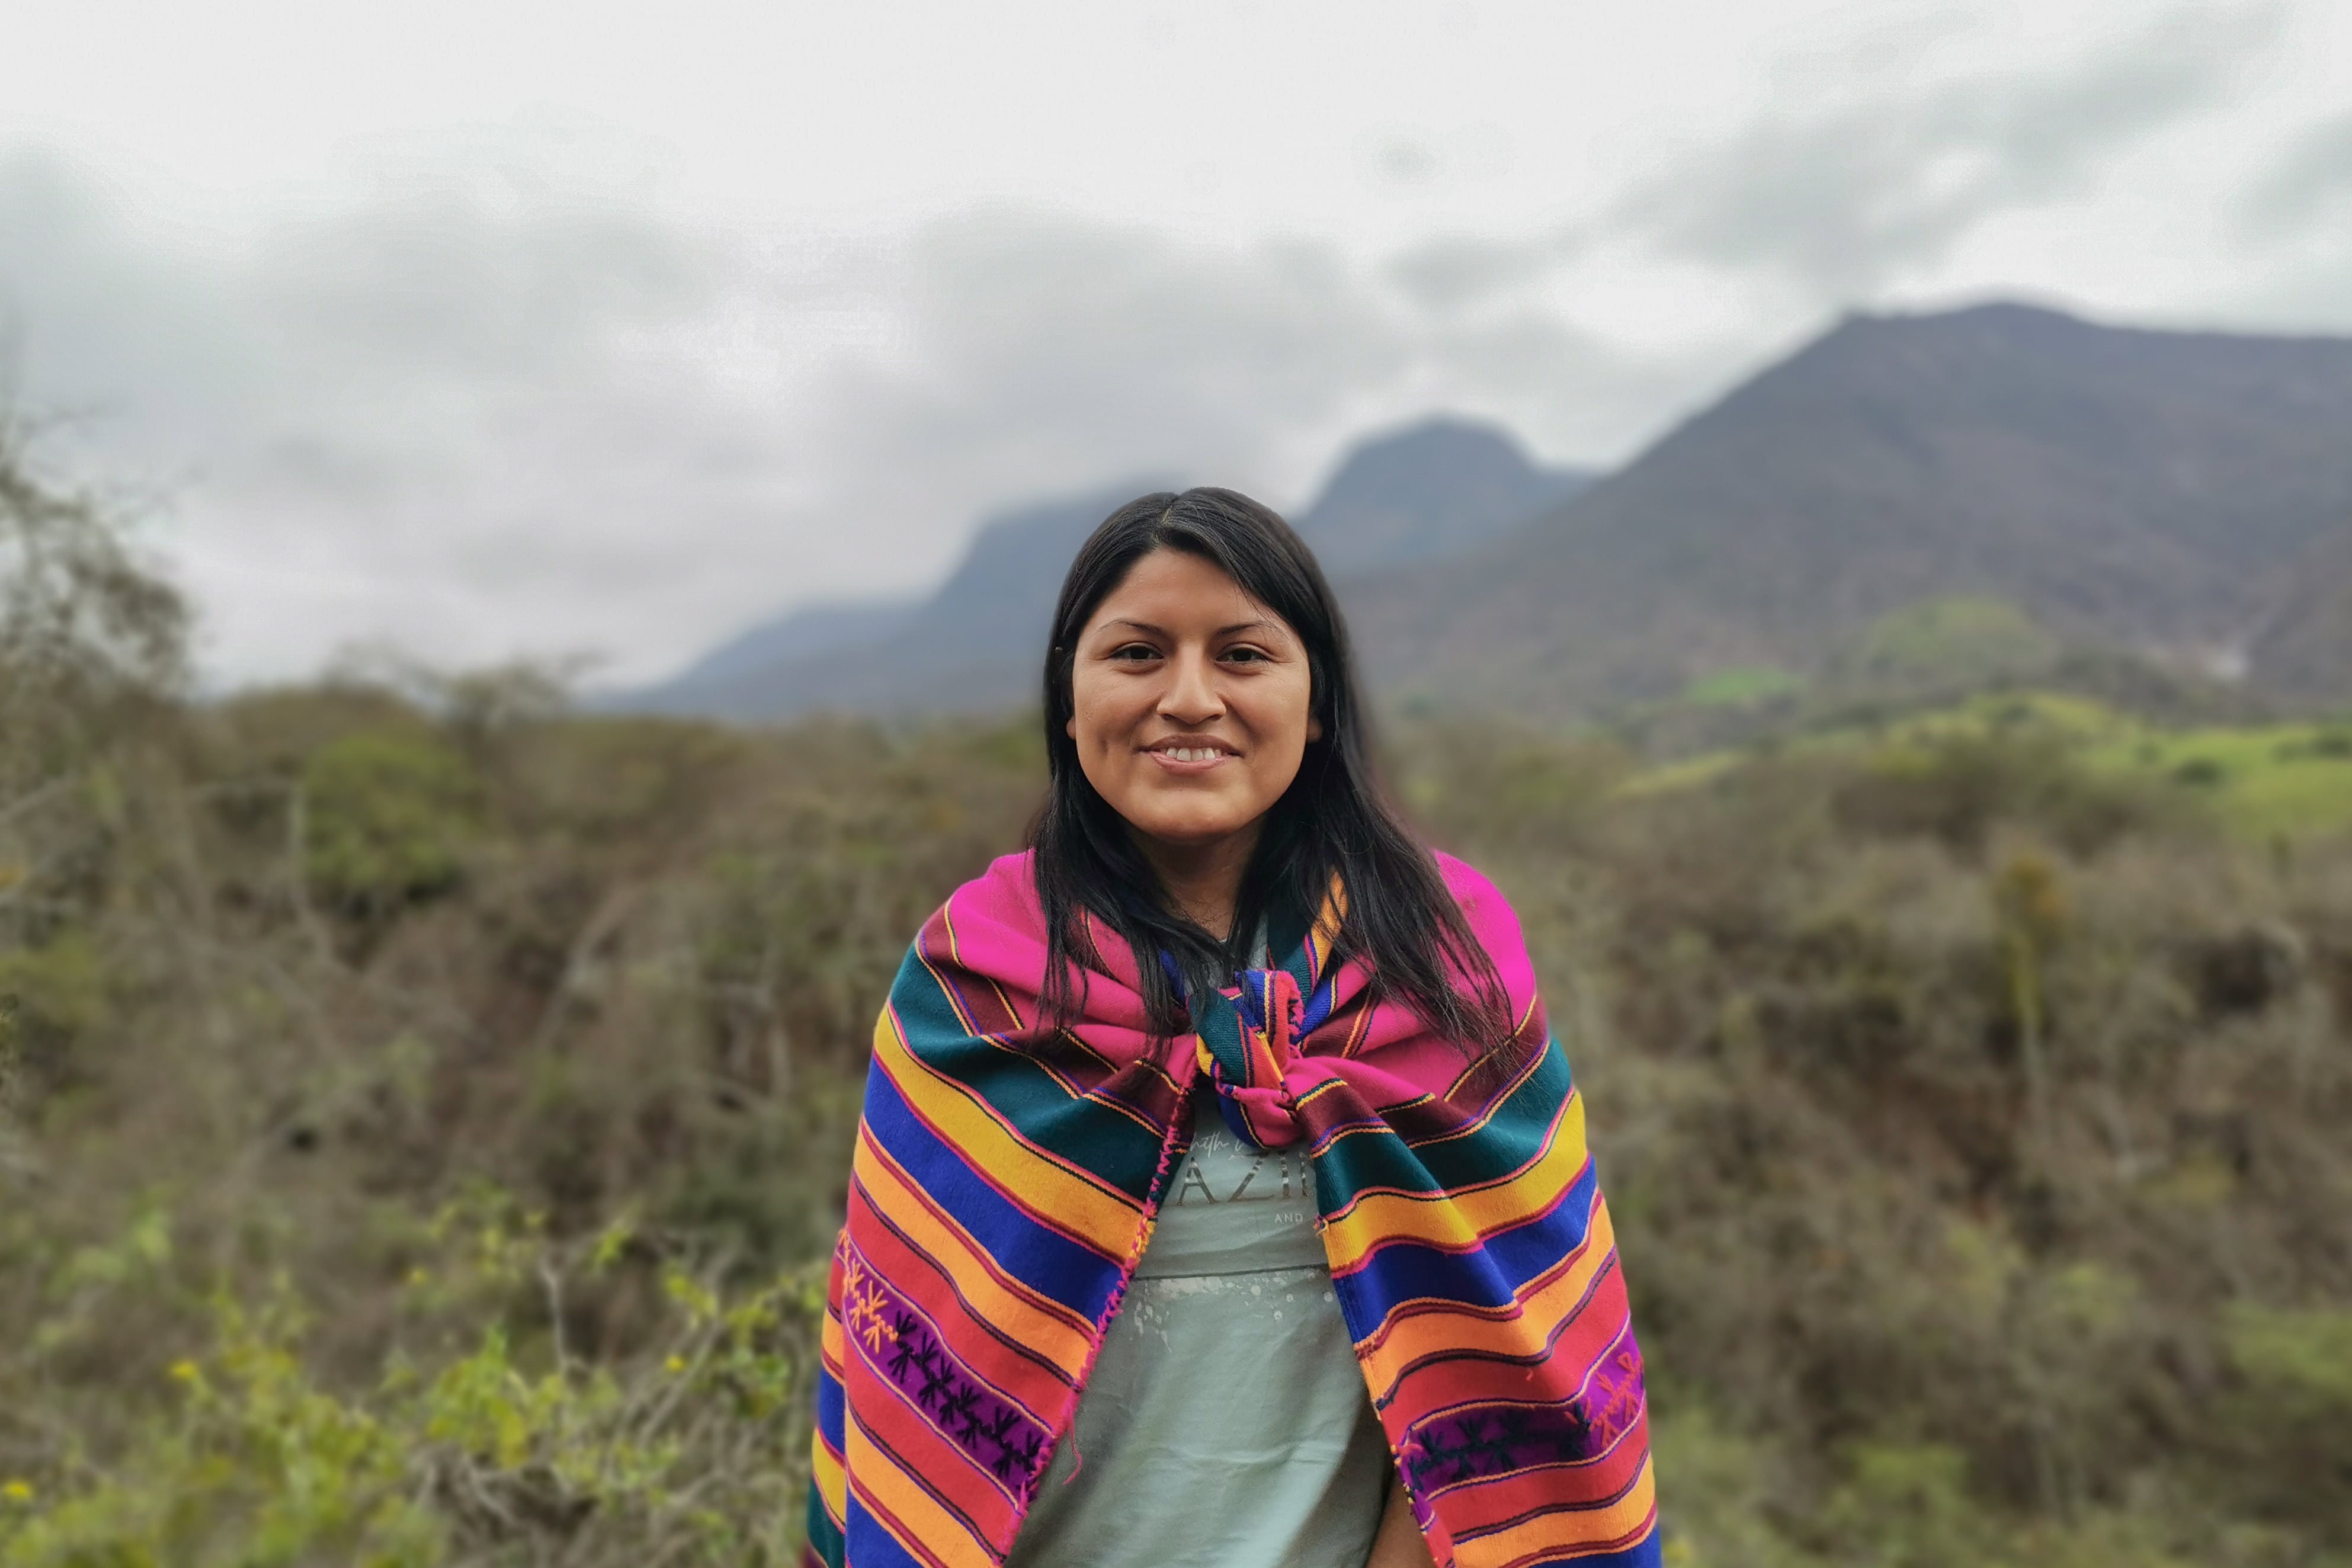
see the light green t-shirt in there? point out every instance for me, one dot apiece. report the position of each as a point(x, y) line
point(1226, 1421)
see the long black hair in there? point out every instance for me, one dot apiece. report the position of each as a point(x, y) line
point(1332, 820)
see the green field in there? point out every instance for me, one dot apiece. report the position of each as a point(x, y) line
point(2273, 780)
point(1742, 687)
point(2261, 782)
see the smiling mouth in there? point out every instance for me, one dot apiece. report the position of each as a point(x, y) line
point(1171, 751)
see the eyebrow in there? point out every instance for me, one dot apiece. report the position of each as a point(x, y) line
point(1260, 622)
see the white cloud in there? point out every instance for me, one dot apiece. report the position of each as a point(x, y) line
point(1845, 197)
point(482, 418)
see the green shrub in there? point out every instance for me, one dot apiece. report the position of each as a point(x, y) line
point(50, 996)
point(1959, 787)
point(2290, 1419)
point(388, 817)
point(1907, 1505)
point(2200, 773)
point(691, 1452)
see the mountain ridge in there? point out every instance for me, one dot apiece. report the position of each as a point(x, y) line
point(2183, 500)
point(2123, 486)
point(974, 643)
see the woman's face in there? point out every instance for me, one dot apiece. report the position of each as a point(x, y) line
point(1191, 702)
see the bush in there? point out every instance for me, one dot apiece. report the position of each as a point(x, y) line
point(691, 1451)
point(387, 820)
point(2291, 1412)
point(1959, 790)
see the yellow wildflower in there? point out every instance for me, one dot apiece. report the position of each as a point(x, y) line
point(16, 1492)
point(675, 1365)
point(185, 1371)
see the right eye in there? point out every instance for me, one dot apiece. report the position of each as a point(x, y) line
point(1135, 652)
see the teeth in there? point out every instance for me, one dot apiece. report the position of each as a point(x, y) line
point(1193, 753)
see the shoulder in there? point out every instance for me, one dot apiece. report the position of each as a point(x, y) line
point(1005, 894)
point(993, 926)
point(1493, 923)
point(1005, 872)
point(1480, 899)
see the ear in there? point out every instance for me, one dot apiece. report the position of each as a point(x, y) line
point(1314, 729)
point(1070, 727)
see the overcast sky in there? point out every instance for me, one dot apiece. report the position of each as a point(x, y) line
point(496, 331)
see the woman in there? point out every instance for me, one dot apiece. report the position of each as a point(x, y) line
point(1220, 1195)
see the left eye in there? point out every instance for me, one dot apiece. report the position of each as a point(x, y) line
point(1247, 656)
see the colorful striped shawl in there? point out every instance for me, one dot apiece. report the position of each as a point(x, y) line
point(1004, 1184)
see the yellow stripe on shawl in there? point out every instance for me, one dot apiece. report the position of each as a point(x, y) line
point(1094, 1214)
point(824, 1465)
point(1001, 1304)
point(832, 1481)
point(1600, 1527)
point(1459, 1331)
point(1458, 1220)
point(939, 1533)
point(1327, 921)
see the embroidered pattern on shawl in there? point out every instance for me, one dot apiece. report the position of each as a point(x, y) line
point(1004, 1184)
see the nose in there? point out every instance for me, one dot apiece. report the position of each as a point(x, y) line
point(1190, 697)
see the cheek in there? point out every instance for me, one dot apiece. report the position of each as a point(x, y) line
point(1086, 721)
point(1099, 719)
point(1284, 722)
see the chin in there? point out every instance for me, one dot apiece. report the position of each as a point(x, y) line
point(1191, 830)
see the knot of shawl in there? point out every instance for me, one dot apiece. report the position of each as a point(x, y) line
point(1251, 1038)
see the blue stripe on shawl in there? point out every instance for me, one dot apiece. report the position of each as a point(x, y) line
point(830, 1406)
point(1646, 1554)
point(1401, 1271)
point(1053, 1265)
point(870, 1544)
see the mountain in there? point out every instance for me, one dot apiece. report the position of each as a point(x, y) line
point(1431, 490)
point(973, 644)
point(2178, 498)
point(733, 675)
point(1412, 495)
point(2306, 650)
point(2139, 490)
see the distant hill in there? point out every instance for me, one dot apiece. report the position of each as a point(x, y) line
point(1416, 495)
point(1434, 490)
point(2306, 650)
point(731, 676)
point(2146, 490)
point(2176, 503)
point(972, 645)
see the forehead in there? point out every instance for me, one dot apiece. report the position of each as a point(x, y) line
point(1178, 591)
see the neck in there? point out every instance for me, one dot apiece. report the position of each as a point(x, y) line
point(1202, 881)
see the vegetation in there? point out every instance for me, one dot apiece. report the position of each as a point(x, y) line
point(426, 1111)
point(1742, 687)
point(2270, 783)
point(1946, 644)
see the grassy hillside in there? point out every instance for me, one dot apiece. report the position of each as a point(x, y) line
point(2265, 783)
